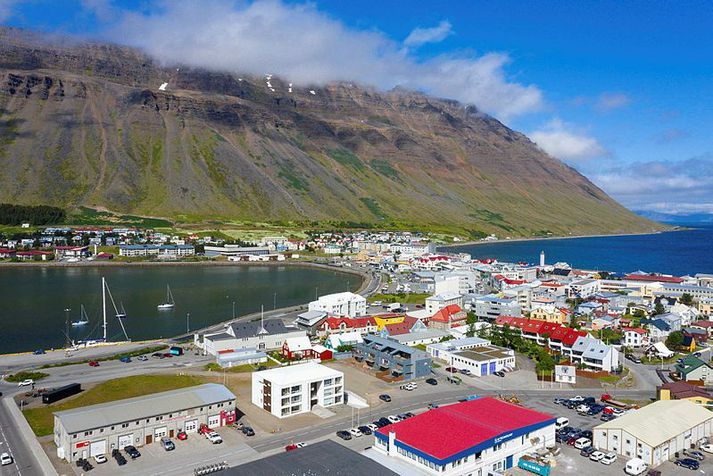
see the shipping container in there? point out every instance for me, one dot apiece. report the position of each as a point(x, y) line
point(175, 350)
point(61, 392)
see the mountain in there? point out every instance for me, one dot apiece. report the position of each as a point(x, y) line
point(677, 219)
point(87, 124)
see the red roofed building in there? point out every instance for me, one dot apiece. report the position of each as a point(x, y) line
point(34, 255)
point(472, 437)
point(450, 316)
point(7, 253)
point(340, 325)
point(653, 278)
point(636, 337)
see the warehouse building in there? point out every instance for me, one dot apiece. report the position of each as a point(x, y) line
point(655, 432)
point(474, 354)
point(477, 437)
point(98, 429)
point(295, 389)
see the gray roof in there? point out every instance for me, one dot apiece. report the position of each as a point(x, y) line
point(242, 330)
point(221, 336)
point(323, 458)
point(131, 409)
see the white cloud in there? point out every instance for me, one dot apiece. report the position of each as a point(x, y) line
point(560, 140)
point(6, 9)
point(306, 46)
point(103, 10)
point(610, 101)
point(421, 36)
point(675, 187)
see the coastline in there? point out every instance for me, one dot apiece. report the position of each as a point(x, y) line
point(546, 238)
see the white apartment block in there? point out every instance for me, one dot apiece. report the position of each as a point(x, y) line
point(340, 304)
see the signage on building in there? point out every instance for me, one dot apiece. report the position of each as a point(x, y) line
point(566, 374)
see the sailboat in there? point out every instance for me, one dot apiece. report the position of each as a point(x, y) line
point(83, 318)
point(119, 314)
point(122, 313)
point(169, 303)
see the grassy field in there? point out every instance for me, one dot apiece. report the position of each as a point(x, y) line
point(20, 376)
point(412, 298)
point(213, 367)
point(41, 419)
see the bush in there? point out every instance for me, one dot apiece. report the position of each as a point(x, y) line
point(20, 376)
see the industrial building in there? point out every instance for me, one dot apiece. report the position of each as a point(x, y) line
point(480, 436)
point(655, 432)
point(477, 355)
point(98, 429)
point(294, 389)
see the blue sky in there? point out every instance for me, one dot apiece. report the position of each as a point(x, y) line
point(619, 90)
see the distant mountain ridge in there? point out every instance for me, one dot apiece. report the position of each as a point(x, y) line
point(676, 219)
point(86, 124)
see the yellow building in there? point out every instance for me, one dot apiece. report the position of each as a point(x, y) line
point(684, 391)
point(387, 319)
point(551, 314)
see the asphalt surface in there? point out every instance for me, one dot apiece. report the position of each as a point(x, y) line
point(11, 442)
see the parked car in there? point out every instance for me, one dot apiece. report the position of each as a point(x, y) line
point(694, 454)
point(452, 370)
point(93, 363)
point(688, 463)
point(372, 426)
point(214, 438)
point(587, 451)
point(345, 435)
point(499, 373)
point(607, 417)
point(26, 383)
point(582, 443)
point(608, 459)
point(432, 406)
point(5, 459)
point(142, 358)
point(247, 431)
point(182, 435)
point(355, 432)
point(167, 444)
point(100, 459)
point(708, 448)
point(295, 446)
point(365, 430)
point(385, 397)
point(383, 421)
point(116, 454)
point(38, 352)
point(393, 419)
point(464, 371)
point(125, 359)
point(432, 381)
point(596, 456)
point(559, 401)
point(132, 451)
point(157, 355)
point(577, 398)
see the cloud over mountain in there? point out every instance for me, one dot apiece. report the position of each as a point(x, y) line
point(561, 140)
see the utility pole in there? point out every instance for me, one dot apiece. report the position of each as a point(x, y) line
point(66, 325)
point(274, 301)
point(233, 309)
point(188, 322)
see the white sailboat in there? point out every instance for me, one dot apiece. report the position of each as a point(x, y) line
point(83, 318)
point(169, 303)
point(119, 314)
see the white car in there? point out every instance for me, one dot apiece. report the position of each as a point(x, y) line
point(393, 418)
point(372, 427)
point(596, 456)
point(582, 408)
point(609, 458)
point(355, 432)
point(214, 437)
point(708, 448)
point(578, 398)
point(26, 383)
point(582, 443)
point(100, 459)
point(5, 459)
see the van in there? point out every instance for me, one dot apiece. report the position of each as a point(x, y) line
point(635, 467)
point(454, 379)
point(561, 423)
point(582, 443)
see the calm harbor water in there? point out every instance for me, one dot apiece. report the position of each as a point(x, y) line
point(33, 299)
point(679, 253)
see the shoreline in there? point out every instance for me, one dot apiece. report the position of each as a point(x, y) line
point(547, 238)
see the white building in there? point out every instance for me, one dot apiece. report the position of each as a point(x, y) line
point(656, 432)
point(474, 354)
point(340, 304)
point(584, 288)
point(439, 301)
point(244, 336)
point(636, 338)
point(295, 389)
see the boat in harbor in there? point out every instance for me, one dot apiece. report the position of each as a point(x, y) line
point(83, 318)
point(169, 303)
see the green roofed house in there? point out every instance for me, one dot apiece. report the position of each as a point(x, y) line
point(693, 368)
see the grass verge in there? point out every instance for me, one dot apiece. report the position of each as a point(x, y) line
point(403, 298)
point(20, 376)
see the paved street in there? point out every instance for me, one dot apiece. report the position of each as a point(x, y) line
point(11, 442)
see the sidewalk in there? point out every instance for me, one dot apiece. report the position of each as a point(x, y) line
point(29, 437)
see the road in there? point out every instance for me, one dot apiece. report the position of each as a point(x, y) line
point(11, 442)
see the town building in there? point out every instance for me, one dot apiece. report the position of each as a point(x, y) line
point(296, 348)
point(236, 250)
point(160, 251)
point(340, 304)
point(477, 355)
point(247, 335)
point(295, 389)
point(342, 325)
point(481, 436)
point(491, 306)
point(439, 301)
point(98, 429)
point(691, 368)
point(389, 357)
point(449, 316)
point(684, 391)
point(636, 337)
point(71, 252)
point(656, 432)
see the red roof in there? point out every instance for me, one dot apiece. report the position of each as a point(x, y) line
point(463, 426)
point(638, 330)
point(704, 324)
point(566, 335)
point(654, 278)
point(401, 328)
point(357, 322)
point(447, 314)
point(6, 250)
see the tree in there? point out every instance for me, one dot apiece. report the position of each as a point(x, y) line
point(545, 363)
point(659, 309)
point(446, 338)
point(686, 299)
point(674, 340)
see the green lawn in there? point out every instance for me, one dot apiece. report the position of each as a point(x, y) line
point(411, 298)
point(20, 376)
point(213, 367)
point(41, 419)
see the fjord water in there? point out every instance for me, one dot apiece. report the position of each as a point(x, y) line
point(679, 252)
point(33, 299)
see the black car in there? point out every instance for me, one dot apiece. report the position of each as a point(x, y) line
point(385, 397)
point(432, 381)
point(120, 460)
point(689, 463)
point(586, 434)
point(365, 430)
point(607, 417)
point(589, 401)
point(132, 451)
point(345, 435)
point(248, 431)
point(409, 414)
point(594, 409)
point(586, 452)
point(560, 401)
point(382, 422)
point(499, 373)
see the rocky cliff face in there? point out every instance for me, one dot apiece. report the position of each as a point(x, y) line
point(86, 124)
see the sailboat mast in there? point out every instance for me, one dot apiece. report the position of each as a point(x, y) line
point(104, 305)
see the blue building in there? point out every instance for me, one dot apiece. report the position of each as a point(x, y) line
point(388, 356)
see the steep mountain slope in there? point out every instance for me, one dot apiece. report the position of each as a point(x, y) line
point(86, 124)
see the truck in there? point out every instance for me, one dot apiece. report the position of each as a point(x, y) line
point(393, 307)
point(61, 392)
point(635, 467)
point(532, 465)
point(175, 350)
point(606, 398)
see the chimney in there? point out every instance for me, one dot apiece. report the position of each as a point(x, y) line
point(392, 443)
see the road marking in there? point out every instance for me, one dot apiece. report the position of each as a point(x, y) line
point(9, 450)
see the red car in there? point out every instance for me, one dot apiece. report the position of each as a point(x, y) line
point(291, 447)
point(94, 363)
point(452, 370)
point(182, 435)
